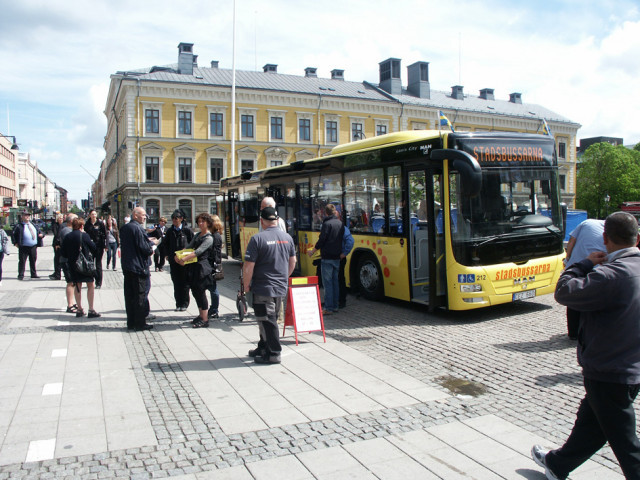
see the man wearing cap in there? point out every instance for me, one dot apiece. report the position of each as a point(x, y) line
point(177, 237)
point(27, 237)
point(269, 260)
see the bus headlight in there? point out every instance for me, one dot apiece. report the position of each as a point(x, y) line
point(471, 288)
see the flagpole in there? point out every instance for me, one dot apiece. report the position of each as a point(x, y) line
point(233, 96)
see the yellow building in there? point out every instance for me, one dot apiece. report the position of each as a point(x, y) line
point(169, 133)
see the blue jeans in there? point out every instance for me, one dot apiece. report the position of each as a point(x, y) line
point(330, 283)
point(111, 254)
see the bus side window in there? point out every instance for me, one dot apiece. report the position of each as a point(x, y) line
point(394, 200)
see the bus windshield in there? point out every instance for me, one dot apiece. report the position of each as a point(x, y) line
point(515, 217)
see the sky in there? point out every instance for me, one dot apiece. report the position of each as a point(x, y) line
point(577, 58)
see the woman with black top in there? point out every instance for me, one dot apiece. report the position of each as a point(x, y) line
point(199, 274)
point(98, 233)
point(216, 261)
point(71, 245)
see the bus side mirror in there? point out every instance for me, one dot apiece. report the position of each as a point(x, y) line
point(469, 168)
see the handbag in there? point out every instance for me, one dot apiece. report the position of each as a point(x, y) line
point(218, 274)
point(84, 264)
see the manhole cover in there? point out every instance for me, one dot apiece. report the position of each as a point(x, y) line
point(462, 386)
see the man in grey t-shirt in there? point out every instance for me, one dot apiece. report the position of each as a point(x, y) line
point(269, 260)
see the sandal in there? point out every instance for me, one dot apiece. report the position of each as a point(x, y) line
point(93, 314)
point(72, 309)
point(201, 324)
point(80, 312)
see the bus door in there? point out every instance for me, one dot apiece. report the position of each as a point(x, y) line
point(233, 232)
point(426, 237)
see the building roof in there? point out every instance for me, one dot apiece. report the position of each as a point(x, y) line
point(328, 87)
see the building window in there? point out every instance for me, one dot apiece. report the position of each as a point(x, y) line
point(275, 163)
point(246, 166)
point(184, 123)
point(381, 129)
point(216, 124)
point(332, 131)
point(305, 129)
point(563, 182)
point(276, 128)
point(153, 211)
point(152, 120)
point(246, 126)
point(187, 208)
point(216, 166)
point(356, 131)
point(152, 169)
point(184, 170)
point(562, 150)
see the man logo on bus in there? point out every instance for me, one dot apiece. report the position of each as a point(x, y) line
point(524, 280)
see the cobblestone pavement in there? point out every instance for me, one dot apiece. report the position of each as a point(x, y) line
point(511, 361)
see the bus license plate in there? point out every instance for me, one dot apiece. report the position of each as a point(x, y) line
point(524, 295)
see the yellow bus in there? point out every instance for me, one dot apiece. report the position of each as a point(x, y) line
point(448, 220)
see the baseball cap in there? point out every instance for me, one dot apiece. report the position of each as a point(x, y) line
point(269, 213)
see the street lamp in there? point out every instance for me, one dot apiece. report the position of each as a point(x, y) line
point(14, 145)
point(607, 199)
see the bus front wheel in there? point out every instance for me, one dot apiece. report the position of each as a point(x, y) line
point(370, 279)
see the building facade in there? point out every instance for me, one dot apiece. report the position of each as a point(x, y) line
point(8, 184)
point(169, 128)
point(36, 192)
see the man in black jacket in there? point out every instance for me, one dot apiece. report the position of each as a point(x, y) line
point(56, 226)
point(330, 245)
point(27, 237)
point(176, 238)
point(608, 299)
point(136, 249)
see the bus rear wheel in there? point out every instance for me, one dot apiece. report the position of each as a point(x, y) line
point(370, 279)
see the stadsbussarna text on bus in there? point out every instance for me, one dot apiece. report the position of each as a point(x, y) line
point(453, 220)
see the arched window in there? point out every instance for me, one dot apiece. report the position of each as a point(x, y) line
point(152, 206)
point(186, 205)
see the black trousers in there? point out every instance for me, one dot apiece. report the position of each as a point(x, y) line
point(267, 310)
point(98, 262)
point(573, 322)
point(32, 254)
point(158, 258)
point(180, 284)
point(57, 270)
point(605, 415)
point(135, 299)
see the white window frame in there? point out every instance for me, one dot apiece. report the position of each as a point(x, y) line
point(217, 109)
point(193, 207)
point(185, 107)
point(216, 152)
point(381, 122)
point(566, 150)
point(152, 150)
point(247, 153)
point(184, 151)
point(332, 118)
point(151, 106)
point(247, 111)
point(276, 156)
point(305, 116)
point(159, 200)
point(354, 120)
point(278, 114)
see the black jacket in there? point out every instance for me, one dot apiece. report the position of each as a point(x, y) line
point(330, 241)
point(16, 236)
point(176, 239)
point(135, 248)
point(97, 232)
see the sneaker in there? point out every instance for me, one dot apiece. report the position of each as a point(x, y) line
point(212, 314)
point(271, 359)
point(538, 454)
point(256, 352)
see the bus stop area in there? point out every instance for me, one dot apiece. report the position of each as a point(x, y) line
point(396, 392)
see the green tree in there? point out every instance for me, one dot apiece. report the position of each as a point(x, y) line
point(607, 171)
point(636, 147)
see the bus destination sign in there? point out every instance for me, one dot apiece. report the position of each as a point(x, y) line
point(500, 152)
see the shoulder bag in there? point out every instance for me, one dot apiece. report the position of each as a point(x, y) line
point(84, 264)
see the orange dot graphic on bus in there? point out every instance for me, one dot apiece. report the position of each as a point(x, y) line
point(384, 259)
point(367, 242)
point(386, 271)
point(379, 251)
